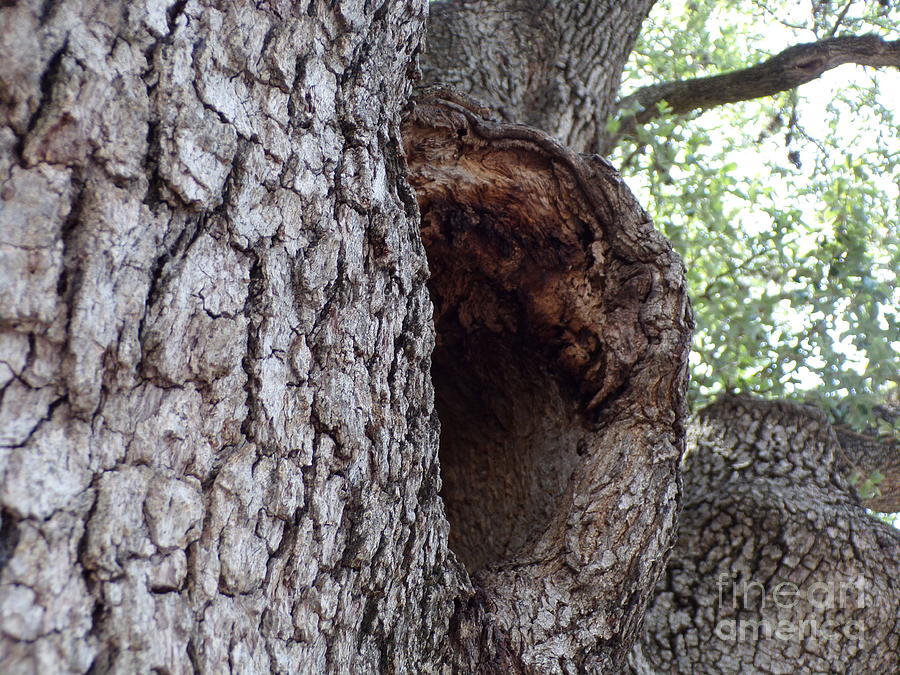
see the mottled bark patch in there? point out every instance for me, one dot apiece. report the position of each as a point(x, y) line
point(777, 567)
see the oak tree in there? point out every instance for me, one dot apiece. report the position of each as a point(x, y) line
point(304, 370)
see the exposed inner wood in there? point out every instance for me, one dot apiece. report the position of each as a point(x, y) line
point(563, 330)
point(518, 279)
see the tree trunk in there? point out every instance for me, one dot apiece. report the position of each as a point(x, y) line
point(551, 64)
point(219, 439)
point(219, 444)
point(778, 568)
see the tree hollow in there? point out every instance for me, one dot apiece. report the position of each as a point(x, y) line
point(537, 314)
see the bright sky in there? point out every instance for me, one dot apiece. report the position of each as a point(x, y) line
point(859, 129)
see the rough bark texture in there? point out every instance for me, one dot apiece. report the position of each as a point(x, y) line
point(778, 568)
point(219, 450)
point(563, 331)
point(218, 441)
point(219, 446)
point(863, 455)
point(552, 64)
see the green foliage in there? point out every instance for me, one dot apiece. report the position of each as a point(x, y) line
point(785, 209)
point(867, 487)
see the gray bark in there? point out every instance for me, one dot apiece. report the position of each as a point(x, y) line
point(219, 449)
point(220, 445)
point(778, 568)
point(551, 64)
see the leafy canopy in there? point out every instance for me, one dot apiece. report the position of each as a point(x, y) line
point(784, 208)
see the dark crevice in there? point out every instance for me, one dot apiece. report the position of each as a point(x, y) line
point(193, 655)
point(48, 9)
point(67, 282)
point(51, 409)
point(159, 272)
point(185, 239)
point(252, 312)
point(48, 80)
point(154, 195)
point(9, 536)
point(380, 11)
point(236, 174)
point(509, 435)
point(396, 172)
point(300, 107)
point(99, 612)
point(472, 632)
point(173, 12)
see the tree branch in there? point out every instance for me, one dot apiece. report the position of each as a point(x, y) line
point(794, 66)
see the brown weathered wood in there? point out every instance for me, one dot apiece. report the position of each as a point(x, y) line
point(562, 336)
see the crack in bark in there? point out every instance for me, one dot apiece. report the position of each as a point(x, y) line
point(9, 536)
point(251, 311)
point(173, 12)
point(47, 81)
point(40, 423)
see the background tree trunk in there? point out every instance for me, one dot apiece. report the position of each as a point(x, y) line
point(551, 64)
point(862, 456)
point(778, 568)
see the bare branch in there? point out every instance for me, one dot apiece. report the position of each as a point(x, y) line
point(840, 19)
point(794, 66)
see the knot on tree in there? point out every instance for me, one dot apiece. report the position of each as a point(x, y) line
point(559, 369)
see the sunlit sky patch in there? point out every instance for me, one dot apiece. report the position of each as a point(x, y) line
point(863, 140)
